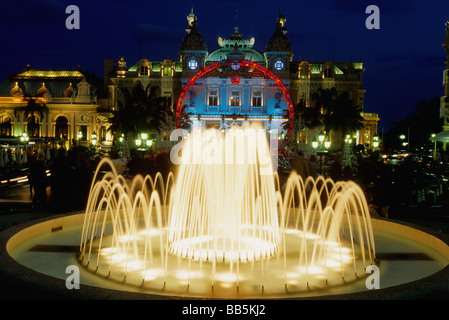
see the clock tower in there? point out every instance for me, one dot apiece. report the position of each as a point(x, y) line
point(278, 51)
point(193, 49)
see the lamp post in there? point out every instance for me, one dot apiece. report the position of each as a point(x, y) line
point(80, 136)
point(94, 140)
point(375, 141)
point(404, 143)
point(143, 142)
point(138, 141)
point(24, 138)
point(321, 147)
point(434, 146)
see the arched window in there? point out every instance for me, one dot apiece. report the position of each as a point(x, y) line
point(33, 126)
point(5, 125)
point(102, 127)
point(61, 128)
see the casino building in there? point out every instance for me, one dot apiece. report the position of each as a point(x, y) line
point(53, 105)
point(214, 88)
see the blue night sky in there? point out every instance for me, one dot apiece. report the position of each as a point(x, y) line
point(404, 59)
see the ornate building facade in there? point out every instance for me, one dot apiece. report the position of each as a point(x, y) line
point(60, 105)
point(224, 94)
point(215, 88)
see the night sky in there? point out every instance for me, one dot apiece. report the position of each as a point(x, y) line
point(404, 59)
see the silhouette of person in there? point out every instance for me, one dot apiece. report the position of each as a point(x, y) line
point(314, 166)
point(60, 171)
point(300, 165)
point(336, 171)
point(38, 181)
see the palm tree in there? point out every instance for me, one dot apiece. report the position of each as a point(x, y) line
point(304, 117)
point(33, 108)
point(184, 119)
point(139, 111)
point(343, 115)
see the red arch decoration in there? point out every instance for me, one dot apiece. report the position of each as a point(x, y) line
point(243, 63)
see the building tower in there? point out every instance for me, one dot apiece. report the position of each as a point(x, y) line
point(278, 51)
point(193, 49)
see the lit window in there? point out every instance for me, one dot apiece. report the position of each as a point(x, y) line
point(213, 98)
point(279, 65)
point(234, 100)
point(144, 70)
point(193, 64)
point(167, 71)
point(257, 99)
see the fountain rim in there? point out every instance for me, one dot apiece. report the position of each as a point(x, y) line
point(55, 288)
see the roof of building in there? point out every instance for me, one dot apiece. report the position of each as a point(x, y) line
point(31, 87)
point(47, 74)
point(233, 44)
point(193, 40)
point(279, 42)
point(55, 82)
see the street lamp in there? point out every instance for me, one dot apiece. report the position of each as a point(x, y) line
point(80, 135)
point(321, 146)
point(375, 141)
point(321, 136)
point(94, 138)
point(24, 138)
point(138, 141)
point(143, 141)
point(434, 146)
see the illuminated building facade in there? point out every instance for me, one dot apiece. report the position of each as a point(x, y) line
point(263, 88)
point(58, 104)
point(230, 94)
point(444, 101)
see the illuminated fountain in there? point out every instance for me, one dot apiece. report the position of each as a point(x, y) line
point(223, 227)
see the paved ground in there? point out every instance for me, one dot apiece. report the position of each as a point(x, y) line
point(16, 206)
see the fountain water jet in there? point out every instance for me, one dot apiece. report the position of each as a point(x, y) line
point(223, 226)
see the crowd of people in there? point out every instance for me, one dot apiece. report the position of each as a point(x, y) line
point(69, 179)
point(371, 175)
point(71, 175)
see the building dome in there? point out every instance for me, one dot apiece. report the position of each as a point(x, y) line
point(236, 44)
point(193, 40)
point(249, 54)
point(279, 41)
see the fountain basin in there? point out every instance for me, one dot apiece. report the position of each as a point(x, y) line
point(413, 263)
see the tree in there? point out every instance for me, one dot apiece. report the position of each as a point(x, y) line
point(139, 111)
point(420, 123)
point(184, 118)
point(304, 117)
point(343, 115)
point(34, 107)
point(339, 112)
